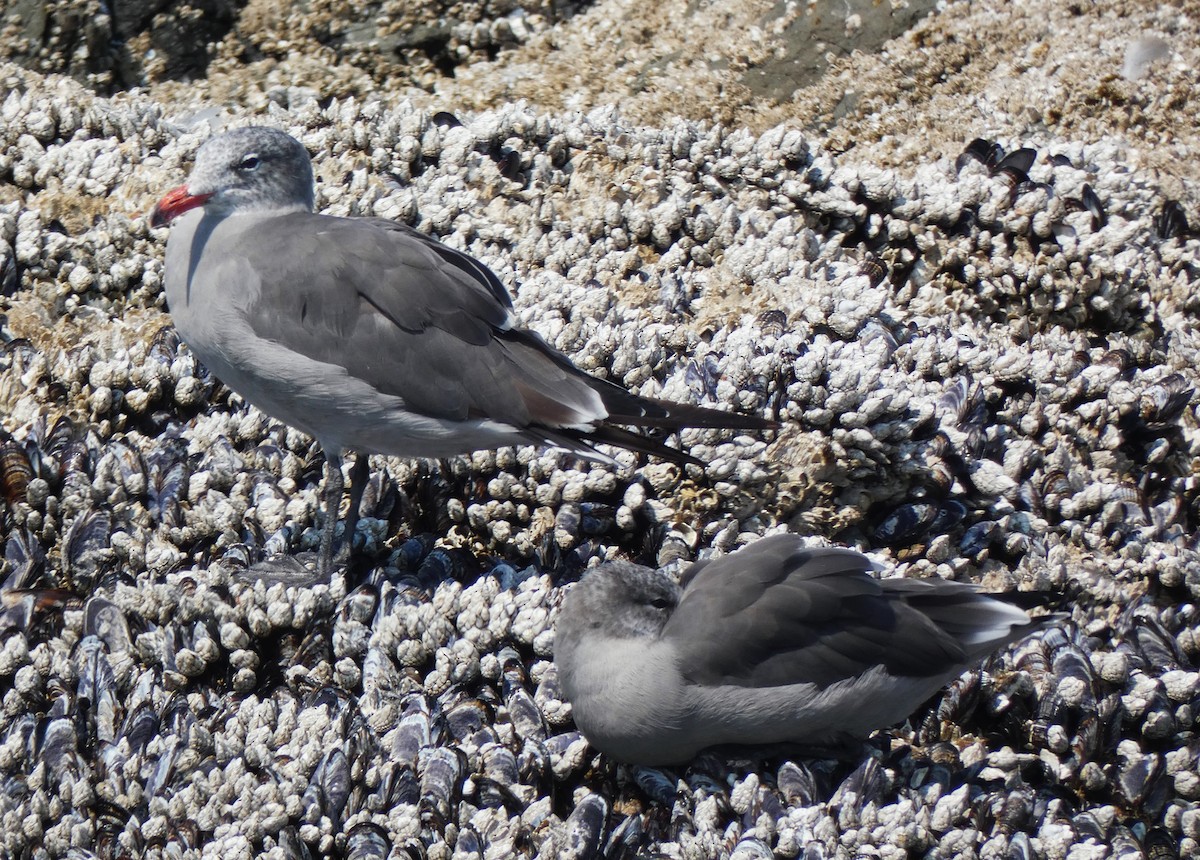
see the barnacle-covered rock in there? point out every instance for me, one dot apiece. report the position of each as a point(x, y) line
point(981, 354)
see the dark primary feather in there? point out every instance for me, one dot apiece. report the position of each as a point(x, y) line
point(436, 335)
point(819, 616)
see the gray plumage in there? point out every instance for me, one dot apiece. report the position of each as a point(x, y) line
point(775, 643)
point(367, 334)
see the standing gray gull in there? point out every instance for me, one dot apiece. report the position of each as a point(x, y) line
point(773, 644)
point(370, 336)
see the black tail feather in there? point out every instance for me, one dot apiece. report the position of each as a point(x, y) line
point(622, 438)
point(648, 412)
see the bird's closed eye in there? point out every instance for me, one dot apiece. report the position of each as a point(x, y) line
point(250, 162)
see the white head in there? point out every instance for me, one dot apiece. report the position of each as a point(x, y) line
point(251, 169)
point(619, 600)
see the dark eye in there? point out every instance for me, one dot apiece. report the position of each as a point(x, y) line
point(660, 603)
point(250, 162)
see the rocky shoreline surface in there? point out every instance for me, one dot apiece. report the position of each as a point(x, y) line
point(979, 336)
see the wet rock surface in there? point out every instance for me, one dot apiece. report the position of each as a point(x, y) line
point(980, 340)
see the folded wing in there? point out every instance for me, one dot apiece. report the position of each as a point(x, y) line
point(818, 616)
point(433, 326)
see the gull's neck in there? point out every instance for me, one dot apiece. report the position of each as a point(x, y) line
point(257, 210)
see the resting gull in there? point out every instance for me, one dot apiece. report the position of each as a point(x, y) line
point(773, 644)
point(370, 336)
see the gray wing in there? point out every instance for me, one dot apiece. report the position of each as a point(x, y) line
point(419, 320)
point(411, 317)
point(776, 613)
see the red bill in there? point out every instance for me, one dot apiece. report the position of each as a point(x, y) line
point(175, 203)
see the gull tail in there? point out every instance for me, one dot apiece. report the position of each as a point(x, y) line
point(980, 622)
point(648, 412)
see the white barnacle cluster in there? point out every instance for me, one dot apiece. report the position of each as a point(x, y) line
point(983, 368)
